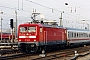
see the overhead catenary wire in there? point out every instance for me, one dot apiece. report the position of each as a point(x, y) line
point(51, 8)
point(37, 4)
point(40, 5)
point(75, 7)
point(43, 6)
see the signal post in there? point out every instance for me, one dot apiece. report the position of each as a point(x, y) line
point(11, 25)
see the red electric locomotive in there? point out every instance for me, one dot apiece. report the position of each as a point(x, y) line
point(36, 37)
point(39, 36)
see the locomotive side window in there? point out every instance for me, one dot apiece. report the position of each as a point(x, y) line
point(40, 29)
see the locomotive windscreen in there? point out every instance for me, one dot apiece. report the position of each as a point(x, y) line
point(28, 29)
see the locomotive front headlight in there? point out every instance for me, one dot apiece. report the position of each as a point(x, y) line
point(32, 45)
point(34, 40)
point(19, 40)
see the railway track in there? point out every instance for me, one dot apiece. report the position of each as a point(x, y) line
point(63, 53)
point(48, 56)
point(14, 56)
point(8, 51)
point(11, 54)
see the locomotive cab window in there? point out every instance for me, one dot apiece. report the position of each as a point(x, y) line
point(31, 29)
point(27, 29)
point(22, 29)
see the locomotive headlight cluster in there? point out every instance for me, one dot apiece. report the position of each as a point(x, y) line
point(32, 45)
point(19, 40)
point(34, 40)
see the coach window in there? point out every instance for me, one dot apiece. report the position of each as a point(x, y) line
point(71, 34)
point(77, 34)
point(80, 34)
point(74, 34)
point(89, 35)
point(68, 35)
point(84, 34)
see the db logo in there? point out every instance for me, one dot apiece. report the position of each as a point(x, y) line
point(27, 36)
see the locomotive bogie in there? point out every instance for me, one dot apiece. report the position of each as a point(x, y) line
point(27, 47)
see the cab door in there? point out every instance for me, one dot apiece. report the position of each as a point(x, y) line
point(41, 34)
point(45, 35)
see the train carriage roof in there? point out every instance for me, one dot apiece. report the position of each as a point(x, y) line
point(77, 29)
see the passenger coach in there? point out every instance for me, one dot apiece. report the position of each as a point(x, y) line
point(78, 36)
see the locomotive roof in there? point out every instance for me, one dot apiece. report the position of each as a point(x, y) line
point(45, 25)
point(67, 28)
